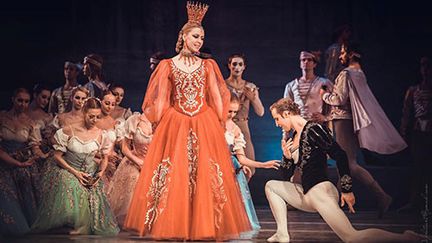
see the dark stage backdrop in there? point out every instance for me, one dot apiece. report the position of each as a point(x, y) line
point(38, 36)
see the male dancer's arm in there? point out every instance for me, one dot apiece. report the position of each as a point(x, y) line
point(325, 111)
point(324, 140)
point(340, 93)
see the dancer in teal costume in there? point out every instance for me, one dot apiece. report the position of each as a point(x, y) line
point(241, 163)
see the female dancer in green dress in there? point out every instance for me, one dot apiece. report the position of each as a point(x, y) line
point(72, 186)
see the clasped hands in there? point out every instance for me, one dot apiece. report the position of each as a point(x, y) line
point(86, 179)
point(250, 93)
point(26, 163)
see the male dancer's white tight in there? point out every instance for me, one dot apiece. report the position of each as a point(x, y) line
point(322, 198)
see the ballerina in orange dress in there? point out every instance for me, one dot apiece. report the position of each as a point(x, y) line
point(187, 188)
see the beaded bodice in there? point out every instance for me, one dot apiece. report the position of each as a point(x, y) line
point(189, 90)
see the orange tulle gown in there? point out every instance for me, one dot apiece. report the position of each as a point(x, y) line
point(187, 188)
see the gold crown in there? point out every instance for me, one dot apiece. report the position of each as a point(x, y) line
point(196, 11)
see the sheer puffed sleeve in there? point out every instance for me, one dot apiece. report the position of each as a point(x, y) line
point(158, 95)
point(218, 93)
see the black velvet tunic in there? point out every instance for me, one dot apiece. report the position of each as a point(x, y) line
point(316, 142)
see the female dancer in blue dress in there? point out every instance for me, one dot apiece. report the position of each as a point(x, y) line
point(242, 164)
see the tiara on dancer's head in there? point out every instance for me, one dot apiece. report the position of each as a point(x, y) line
point(91, 97)
point(196, 11)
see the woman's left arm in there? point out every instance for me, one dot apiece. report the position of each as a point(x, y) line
point(219, 95)
point(106, 149)
point(217, 99)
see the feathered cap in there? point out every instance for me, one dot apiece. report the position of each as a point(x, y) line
point(196, 11)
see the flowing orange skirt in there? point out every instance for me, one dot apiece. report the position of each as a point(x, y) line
point(187, 188)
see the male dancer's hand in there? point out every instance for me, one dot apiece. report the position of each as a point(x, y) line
point(349, 199)
point(286, 147)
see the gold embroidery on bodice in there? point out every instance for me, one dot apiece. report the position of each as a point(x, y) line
point(189, 89)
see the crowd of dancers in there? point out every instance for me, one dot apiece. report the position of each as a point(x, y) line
point(74, 160)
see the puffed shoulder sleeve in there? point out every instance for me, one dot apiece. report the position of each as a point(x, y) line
point(119, 129)
point(35, 136)
point(239, 140)
point(218, 93)
point(131, 125)
point(61, 141)
point(55, 122)
point(158, 95)
point(322, 138)
point(106, 144)
point(127, 113)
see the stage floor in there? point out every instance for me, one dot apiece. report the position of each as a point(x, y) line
point(303, 227)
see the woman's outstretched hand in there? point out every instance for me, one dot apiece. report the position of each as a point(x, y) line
point(271, 164)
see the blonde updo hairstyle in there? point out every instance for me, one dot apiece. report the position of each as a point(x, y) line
point(185, 30)
point(81, 89)
point(92, 103)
